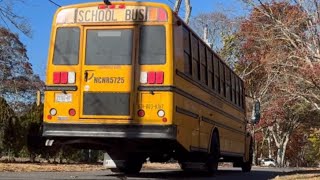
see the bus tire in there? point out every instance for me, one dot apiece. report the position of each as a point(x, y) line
point(214, 155)
point(131, 166)
point(246, 166)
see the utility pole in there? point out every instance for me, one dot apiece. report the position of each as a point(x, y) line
point(177, 6)
point(187, 7)
point(188, 11)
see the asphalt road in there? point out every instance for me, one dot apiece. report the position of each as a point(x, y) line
point(223, 174)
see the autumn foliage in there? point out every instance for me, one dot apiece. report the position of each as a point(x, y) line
point(277, 46)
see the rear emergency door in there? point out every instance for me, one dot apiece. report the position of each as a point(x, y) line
point(108, 71)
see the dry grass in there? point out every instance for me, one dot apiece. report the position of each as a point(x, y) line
point(312, 176)
point(45, 167)
point(305, 173)
point(167, 166)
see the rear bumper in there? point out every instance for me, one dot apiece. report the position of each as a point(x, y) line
point(109, 131)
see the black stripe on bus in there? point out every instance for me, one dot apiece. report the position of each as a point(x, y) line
point(233, 154)
point(198, 149)
point(205, 88)
point(61, 88)
point(186, 112)
point(191, 97)
point(215, 123)
point(156, 88)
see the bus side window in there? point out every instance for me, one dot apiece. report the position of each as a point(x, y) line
point(203, 64)
point(228, 83)
point(187, 52)
point(233, 88)
point(222, 79)
point(210, 69)
point(216, 74)
point(241, 94)
point(195, 57)
point(237, 91)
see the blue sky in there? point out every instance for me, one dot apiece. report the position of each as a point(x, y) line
point(40, 13)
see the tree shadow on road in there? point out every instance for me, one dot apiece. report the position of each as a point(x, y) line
point(221, 175)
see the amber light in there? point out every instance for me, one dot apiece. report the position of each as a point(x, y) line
point(157, 14)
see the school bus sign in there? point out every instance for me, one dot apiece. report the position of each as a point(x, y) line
point(118, 13)
point(127, 14)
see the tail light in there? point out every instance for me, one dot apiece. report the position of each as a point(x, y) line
point(72, 112)
point(64, 77)
point(152, 77)
point(141, 113)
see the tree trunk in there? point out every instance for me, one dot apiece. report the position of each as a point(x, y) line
point(269, 147)
point(254, 156)
point(282, 147)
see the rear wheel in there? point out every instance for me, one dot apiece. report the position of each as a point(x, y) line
point(132, 165)
point(213, 160)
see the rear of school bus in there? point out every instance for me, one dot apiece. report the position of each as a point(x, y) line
point(108, 74)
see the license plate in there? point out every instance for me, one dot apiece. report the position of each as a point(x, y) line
point(63, 97)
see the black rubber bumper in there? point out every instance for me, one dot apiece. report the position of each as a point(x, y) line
point(109, 131)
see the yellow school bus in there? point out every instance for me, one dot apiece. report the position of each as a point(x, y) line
point(131, 78)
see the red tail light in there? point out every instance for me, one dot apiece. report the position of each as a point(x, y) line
point(164, 120)
point(64, 78)
point(72, 112)
point(151, 77)
point(56, 78)
point(141, 113)
point(159, 77)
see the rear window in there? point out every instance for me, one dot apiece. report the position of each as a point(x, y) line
point(109, 47)
point(66, 47)
point(152, 45)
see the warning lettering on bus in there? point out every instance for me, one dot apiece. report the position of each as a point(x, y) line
point(92, 14)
